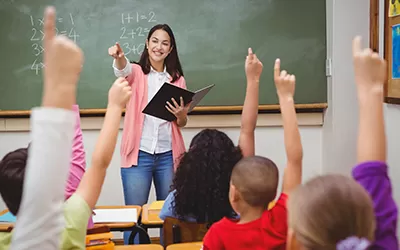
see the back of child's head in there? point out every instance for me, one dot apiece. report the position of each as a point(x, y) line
point(12, 173)
point(201, 181)
point(330, 212)
point(256, 179)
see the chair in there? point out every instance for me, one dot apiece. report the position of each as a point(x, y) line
point(177, 231)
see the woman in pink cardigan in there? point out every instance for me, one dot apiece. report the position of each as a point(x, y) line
point(150, 146)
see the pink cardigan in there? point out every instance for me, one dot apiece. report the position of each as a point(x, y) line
point(133, 122)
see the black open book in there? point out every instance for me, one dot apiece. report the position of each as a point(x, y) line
point(156, 106)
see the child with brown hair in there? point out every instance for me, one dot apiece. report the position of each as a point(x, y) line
point(336, 212)
point(44, 221)
point(254, 183)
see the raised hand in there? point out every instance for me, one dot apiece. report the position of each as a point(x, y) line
point(116, 51)
point(253, 66)
point(369, 69)
point(119, 93)
point(284, 82)
point(63, 61)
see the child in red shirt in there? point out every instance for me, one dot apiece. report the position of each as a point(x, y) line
point(254, 183)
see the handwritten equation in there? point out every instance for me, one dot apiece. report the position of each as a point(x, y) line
point(37, 36)
point(127, 18)
point(134, 30)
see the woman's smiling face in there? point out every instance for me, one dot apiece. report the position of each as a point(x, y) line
point(159, 45)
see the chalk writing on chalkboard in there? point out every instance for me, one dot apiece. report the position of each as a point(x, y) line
point(134, 30)
point(37, 35)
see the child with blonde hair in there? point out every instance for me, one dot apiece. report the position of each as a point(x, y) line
point(337, 212)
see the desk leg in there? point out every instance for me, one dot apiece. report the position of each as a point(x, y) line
point(144, 238)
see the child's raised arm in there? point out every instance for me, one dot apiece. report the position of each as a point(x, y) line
point(78, 158)
point(90, 187)
point(370, 74)
point(285, 86)
point(372, 172)
point(40, 219)
point(253, 68)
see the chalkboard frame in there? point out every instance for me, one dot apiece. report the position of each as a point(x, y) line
point(203, 110)
point(374, 42)
point(212, 108)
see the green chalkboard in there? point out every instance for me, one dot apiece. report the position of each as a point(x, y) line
point(212, 40)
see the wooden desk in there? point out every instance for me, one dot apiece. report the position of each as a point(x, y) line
point(186, 246)
point(140, 247)
point(150, 220)
point(5, 227)
point(129, 226)
point(120, 226)
point(153, 221)
point(112, 226)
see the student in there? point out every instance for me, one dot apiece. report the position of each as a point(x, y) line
point(372, 171)
point(40, 218)
point(78, 161)
point(150, 146)
point(78, 208)
point(331, 212)
point(76, 170)
point(39, 223)
point(254, 183)
point(201, 184)
point(336, 212)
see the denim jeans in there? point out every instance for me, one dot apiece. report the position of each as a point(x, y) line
point(136, 180)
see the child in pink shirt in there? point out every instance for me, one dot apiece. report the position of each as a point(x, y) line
point(76, 171)
point(78, 161)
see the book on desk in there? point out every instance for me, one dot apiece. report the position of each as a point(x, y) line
point(7, 218)
point(117, 215)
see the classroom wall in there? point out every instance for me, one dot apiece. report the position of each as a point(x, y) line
point(328, 148)
point(392, 118)
point(345, 20)
point(269, 143)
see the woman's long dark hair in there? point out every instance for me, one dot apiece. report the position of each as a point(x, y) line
point(171, 62)
point(203, 177)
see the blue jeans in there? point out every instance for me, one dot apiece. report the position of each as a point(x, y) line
point(136, 180)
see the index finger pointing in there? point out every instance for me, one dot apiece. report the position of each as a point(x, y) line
point(356, 45)
point(277, 68)
point(118, 46)
point(250, 54)
point(49, 27)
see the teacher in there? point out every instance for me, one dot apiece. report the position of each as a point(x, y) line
point(150, 146)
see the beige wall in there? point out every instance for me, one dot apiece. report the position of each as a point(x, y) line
point(269, 142)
